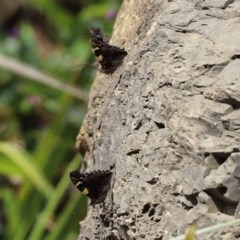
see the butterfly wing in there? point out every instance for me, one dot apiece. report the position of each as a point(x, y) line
point(109, 56)
point(78, 180)
point(112, 58)
point(98, 184)
point(94, 184)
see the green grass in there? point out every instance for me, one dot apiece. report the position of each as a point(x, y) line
point(43, 102)
point(37, 199)
point(220, 226)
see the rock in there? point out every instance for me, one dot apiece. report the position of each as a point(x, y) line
point(168, 119)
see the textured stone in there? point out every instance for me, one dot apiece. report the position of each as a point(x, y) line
point(168, 119)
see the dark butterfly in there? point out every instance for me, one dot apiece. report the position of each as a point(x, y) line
point(110, 57)
point(95, 184)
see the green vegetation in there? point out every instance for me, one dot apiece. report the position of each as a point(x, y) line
point(191, 233)
point(44, 84)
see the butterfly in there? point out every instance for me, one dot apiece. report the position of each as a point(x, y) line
point(94, 184)
point(109, 57)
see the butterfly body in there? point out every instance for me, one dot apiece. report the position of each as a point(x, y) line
point(94, 184)
point(109, 57)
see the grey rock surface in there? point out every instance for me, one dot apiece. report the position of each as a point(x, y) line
point(168, 119)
